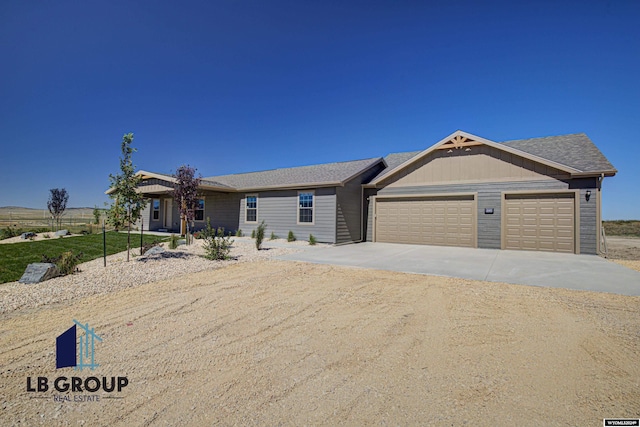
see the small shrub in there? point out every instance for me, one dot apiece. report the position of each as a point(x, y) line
point(291, 237)
point(173, 241)
point(197, 235)
point(216, 245)
point(260, 235)
point(9, 232)
point(239, 233)
point(253, 233)
point(312, 240)
point(273, 236)
point(46, 236)
point(67, 262)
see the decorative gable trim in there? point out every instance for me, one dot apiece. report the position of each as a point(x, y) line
point(460, 140)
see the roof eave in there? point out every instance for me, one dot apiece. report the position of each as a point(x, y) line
point(291, 186)
point(609, 172)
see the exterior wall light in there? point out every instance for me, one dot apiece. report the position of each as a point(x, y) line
point(587, 196)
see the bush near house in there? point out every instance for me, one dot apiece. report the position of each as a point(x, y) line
point(239, 233)
point(291, 237)
point(273, 236)
point(173, 241)
point(260, 235)
point(15, 257)
point(312, 240)
point(253, 234)
point(217, 246)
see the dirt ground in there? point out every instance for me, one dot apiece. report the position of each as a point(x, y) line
point(624, 251)
point(284, 343)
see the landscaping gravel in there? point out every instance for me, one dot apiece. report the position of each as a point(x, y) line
point(94, 278)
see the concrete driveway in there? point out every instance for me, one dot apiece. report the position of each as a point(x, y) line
point(581, 272)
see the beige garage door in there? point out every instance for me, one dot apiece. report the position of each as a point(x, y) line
point(540, 222)
point(443, 221)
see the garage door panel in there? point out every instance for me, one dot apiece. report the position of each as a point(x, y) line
point(446, 221)
point(540, 222)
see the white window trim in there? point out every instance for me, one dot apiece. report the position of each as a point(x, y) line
point(204, 210)
point(154, 210)
point(246, 196)
point(313, 209)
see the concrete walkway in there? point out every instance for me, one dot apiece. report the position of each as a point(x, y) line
point(581, 272)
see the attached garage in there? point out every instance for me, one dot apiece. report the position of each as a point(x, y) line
point(540, 222)
point(427, 220)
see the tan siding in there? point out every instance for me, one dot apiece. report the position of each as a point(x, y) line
point(481, 164)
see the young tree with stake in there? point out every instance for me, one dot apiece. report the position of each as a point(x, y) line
point(185, 194)
point(128, 203)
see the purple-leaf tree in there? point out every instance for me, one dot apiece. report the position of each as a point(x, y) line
point(185, 194)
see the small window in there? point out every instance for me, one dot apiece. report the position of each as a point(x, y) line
point(305, 208)
point(155, 209)
point(251, 214)
point(199, 212)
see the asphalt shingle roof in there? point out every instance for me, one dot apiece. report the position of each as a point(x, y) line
point(574, 150)
point(394, 160)
point(297, 176)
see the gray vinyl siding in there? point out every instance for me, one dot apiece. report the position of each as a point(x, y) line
point(279, 210)
point(222, 210)
point(588, 214)
point(145, 216)
point(489, 195)
point(349, 207)
point(155, 181)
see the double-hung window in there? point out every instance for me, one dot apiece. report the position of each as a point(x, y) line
point(305, 207)
point(251, 208)
point(199, 211)
point(155, 207)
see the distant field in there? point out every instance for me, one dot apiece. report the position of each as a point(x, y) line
point(14, 257)
point(629, 228)
point(74, 219)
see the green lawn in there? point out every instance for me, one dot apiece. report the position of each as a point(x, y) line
point(14, 257)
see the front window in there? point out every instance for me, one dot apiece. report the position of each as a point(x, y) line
point(155, 209)
point(251, 214)
point(199, 212)
point(305, 208)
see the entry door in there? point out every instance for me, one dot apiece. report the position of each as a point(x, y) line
point(168, 215)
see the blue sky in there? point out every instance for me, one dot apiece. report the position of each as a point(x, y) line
point(235, 86)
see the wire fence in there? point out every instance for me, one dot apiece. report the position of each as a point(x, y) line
point(73, 223)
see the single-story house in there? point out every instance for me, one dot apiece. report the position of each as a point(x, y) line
point(531, 194)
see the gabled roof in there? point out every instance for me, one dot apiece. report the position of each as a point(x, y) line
point(574, 150)
point(204, 182)
point(574, 154)
point(327, 174)
point(394, 160)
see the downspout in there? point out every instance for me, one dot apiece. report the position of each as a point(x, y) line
point(602, 239)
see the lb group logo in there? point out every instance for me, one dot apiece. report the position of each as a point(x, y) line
point(67, 348)
point(76, 348)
